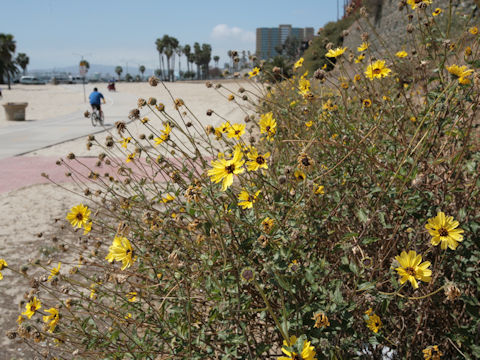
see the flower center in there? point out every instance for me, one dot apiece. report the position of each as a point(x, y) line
point(443, 232)
point(377, 71)
point(305, 161)
point(79, 216)
point(410, 271)
point(267, 128)
point(230, 169)
point(260, 160)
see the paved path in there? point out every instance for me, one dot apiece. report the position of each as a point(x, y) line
point(23, 137)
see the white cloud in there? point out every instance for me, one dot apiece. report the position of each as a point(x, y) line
point(225, 32)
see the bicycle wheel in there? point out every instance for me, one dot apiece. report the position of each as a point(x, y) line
point(94, 118)
point(100, 119)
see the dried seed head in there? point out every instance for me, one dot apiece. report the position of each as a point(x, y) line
point(153, 81)
point(71, 156)
point(241, 90)
point(276, 70)
point(142, 136)
point(319, 74)
point(134, 114)
point(121, 126)
point(410, 28)
point(218, 86)
point(363, 12)
point(152, 101)
point(86, 114)
point(345, 33)
point(209, 112)
point(208, 84)
point(329, 46)
point(141, 103)
point(365, 36)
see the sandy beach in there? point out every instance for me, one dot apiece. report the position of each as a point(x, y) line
point(30, 204)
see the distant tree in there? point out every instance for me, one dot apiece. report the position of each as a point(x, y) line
point(142, 70)
point(160, 44)
point(22, 61)
point(170, 45)
point(119, 71)
point(7, 63)
point(197, 50)
point(128, 77)
point(179, 52)
point(158, 73)
point(206, 58)
point(187, 52)
point(216, 58)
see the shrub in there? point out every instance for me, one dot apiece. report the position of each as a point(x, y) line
point(326, 225)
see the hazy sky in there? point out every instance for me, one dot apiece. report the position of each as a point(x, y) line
point(55, 33)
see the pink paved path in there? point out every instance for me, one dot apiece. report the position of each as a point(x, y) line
point(22, 171)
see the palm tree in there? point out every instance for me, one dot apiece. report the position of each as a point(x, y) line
point(160, 48)
point(197, 51)
point(119, 71)
point(22, 60)
point(142, 70)
point(206, 58)
point(171, 45)
point(179, 51)
point(7, 64)
point(216, 58)
point(187, 52)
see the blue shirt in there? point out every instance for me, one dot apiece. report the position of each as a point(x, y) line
point(95, 98)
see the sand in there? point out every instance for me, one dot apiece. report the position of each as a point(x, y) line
point(31, 210)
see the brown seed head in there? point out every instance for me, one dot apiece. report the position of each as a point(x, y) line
point(153, 81)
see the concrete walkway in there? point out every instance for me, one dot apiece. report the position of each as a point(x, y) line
point(25, 136)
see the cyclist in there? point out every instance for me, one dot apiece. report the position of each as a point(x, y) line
point(95, 98)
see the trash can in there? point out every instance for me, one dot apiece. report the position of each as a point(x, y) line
point(15, 111)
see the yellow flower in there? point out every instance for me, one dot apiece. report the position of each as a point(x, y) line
point(373, 322)
point(224, 170)
point(304, 86)
point(367, 103)
point(359, 59)
point(88, 227)
point(51, 319)
point(247, 200)
point(468, 51)
point(32, 307)
point(437, 12)
point(298, 64)
point(473, 30)
point(255, 71)
point(55, 271)
point(267, 224)
point(307, 352)
point(299, 175)
point(20, 319)
point(357, 77)
point(93, 292)
point(3, 265)
point(432, 353)
point(256, 161)
point(132, 296)
point(410, 268)
point(363, 47)
point(231, 97)
point(377, 70)
point(443, 229)
point(320, 190)
point(335, 53)
point(236, 130)
point(268, 125)
point(130, 157)
point(165, 135)
point(168, 198)
point(309, 123)
point(461, 72)
point(121, 250)
point(321, 320)
point(416, 3)
point(401, 54)
point(125, 142)
point(78, 215)
point(222, 129)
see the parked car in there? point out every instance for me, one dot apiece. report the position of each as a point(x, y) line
point(31, 80)
point(77, 80)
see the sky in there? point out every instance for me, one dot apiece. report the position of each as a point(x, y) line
point(57, 33)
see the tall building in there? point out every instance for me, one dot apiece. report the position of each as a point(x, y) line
point(270, 38)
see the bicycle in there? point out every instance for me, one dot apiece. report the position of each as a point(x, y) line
point(96, 117)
